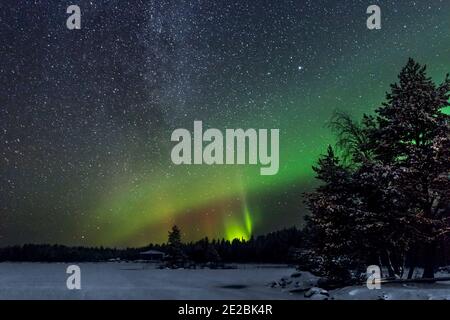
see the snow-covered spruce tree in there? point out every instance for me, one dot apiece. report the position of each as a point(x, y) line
point(375, 211)
point(330, 223)
point(392, 195)
point(412, 138)
point(383, 221)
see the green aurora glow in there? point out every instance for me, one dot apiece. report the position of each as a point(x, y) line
point(344, 67)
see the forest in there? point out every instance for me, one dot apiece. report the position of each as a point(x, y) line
point(384, 196)
point(275, 247)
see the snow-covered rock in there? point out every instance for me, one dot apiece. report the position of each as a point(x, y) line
point(316, 293)
point(298, 282)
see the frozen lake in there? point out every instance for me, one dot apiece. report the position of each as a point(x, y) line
point(140, 281)
point(143, 281)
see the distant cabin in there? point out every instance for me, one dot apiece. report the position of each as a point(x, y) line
point(152, 255)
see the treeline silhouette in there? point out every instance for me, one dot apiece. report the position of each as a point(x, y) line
point(275, 247)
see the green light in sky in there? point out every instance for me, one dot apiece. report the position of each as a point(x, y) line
point(236, 231)
point(446, 111)
point(248, 221)
point(240, 228)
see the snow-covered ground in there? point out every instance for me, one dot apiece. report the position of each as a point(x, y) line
point(304, 283)
point(139, 281)
point(406, 291)
point(144, 281)
point(438, 291)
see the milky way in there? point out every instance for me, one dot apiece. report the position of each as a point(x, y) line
point(86, 115)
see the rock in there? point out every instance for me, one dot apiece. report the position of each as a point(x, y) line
point(319, 297)
point(383, 296)
point(301, 287)
point(296, 274)
point(316, 291)
point(284, 282)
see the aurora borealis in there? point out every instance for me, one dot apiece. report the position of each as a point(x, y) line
point(86, 115)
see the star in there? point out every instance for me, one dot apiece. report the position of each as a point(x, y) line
point(86, 116)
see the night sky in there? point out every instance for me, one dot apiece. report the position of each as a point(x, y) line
point(86, 115)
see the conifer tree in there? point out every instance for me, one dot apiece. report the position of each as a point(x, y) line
point(176, 256)
point(330, 223)
point(392, 197)
point(412, 137)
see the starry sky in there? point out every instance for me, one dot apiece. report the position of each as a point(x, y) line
point(86, 115)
